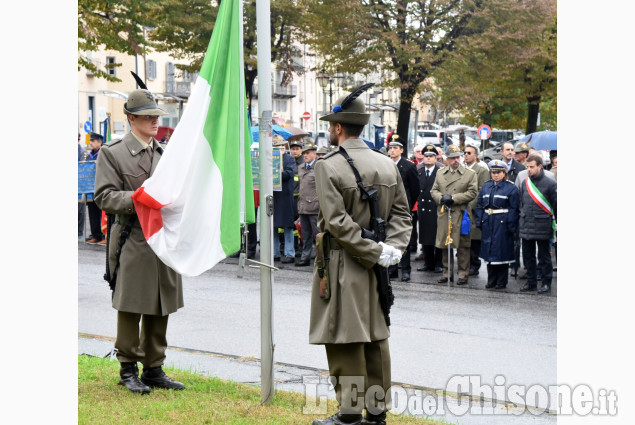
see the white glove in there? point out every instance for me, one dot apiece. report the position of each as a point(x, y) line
point(389, 255)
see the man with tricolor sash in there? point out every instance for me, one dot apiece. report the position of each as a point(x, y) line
point(538, 200)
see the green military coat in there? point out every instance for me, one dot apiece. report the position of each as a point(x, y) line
point(463, 186)
point(482, 175)
point(144, 283)
point(353, 313)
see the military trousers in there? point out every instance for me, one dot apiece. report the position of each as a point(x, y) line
point(360, 373)
point(147, 346)
point(463, 259)
point(309, 228)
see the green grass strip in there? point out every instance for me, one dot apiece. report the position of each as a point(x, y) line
point(206, 400)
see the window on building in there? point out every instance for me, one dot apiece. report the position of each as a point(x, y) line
point(169, 81)
point(110, 65)
point(151, 69)
point(190, 76)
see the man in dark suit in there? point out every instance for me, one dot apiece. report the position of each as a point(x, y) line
point(427, 211)
point(408, 172)
point(513, 167)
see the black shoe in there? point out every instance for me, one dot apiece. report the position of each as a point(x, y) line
point(405, 276)
point(425, 269)
point(490, 285)
point(438, 269)
point(500, 287)
point(286, 260)
point(302, 263)
point(461, 282)
point(340, 419)
point(544, 289)
point(298, 252)
point(129, 378)
point(235, 255)
point(374, 419)
point(528, 287)
point(445, 280)
point(276, 258)
point(155, 377)
point(473, 272)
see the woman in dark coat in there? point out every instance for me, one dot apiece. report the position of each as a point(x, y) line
point(497, 217)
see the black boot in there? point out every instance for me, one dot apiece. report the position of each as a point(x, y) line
point(375, 419)
point(528, 287)
point(544, 289)
point(340, 419)
point(129, 377)
point(155, 377)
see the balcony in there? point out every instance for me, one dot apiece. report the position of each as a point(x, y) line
point(178, 88)
point(278, 91)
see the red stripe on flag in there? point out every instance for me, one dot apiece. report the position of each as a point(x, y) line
point(149, 212)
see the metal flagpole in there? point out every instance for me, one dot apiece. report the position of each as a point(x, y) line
point(263, 37)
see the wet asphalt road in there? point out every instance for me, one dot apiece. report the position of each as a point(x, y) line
point(437, 331)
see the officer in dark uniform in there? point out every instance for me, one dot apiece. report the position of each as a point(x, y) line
point(295, 148)
point(427, 212)
point(408, 172)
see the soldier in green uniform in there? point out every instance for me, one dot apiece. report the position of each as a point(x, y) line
point(349, 322)
point(146, 290)
point(455, 187)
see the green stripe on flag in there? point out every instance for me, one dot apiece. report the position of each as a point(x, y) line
point(222, 68)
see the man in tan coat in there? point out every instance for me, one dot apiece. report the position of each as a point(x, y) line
point(482, 173)
point(454, 187)
point(350, 322)
point(146, 290)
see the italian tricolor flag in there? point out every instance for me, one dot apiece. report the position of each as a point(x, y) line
point(192, 207)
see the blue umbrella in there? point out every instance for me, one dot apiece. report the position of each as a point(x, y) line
point(281, 131)
point(542, 140)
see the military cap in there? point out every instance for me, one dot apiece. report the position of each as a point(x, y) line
point(522, 147)
point(396, 140)
point(430, 150)
point(293, 143)
point(309, 147)
point(453, 151)
point(323, 150)
point(96, 136)
point(497, 165)
point(349, 109)
point(142, 102)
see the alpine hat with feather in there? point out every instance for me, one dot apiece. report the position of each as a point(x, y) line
point(349, 109)
point(141, 101)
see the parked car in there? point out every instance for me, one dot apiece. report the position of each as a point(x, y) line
point(429, 136)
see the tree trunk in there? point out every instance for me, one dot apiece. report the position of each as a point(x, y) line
point(533, 107)
point(403, 119)
point(250, 77)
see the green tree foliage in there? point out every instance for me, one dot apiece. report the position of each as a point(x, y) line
point(184, 28)
point(409, 38)
point(113, 25)
point(504, 66)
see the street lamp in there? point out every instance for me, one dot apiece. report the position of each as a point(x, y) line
point(325, 79)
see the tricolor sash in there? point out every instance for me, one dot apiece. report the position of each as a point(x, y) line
point(542, 202)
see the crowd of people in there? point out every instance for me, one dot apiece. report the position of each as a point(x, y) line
point(444, 199)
